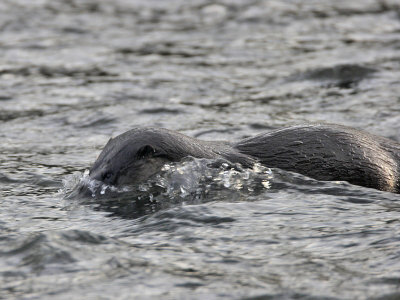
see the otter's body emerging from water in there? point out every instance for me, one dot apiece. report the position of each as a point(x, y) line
point(323, 152)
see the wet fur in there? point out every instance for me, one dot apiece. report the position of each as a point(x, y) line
point(323, 152)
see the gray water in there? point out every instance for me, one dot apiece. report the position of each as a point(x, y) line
point(74, 73)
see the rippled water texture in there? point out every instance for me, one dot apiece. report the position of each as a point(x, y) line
point(75, 72)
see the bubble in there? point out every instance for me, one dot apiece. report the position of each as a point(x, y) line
point(192, 180)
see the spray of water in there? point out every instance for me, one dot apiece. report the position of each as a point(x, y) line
point(190, 181)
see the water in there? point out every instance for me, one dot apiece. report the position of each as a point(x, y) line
point(73, 73)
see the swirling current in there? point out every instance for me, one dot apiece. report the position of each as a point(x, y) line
point(76, 72)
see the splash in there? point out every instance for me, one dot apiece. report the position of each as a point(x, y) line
point(199, 177)
point(190, 181)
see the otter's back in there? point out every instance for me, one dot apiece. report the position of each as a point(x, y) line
point(329, 152)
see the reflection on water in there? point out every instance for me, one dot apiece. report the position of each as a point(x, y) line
point(74, 73)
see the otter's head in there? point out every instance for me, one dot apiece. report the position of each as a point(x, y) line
point(130, 158)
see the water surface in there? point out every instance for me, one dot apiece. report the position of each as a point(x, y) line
point(74, 73)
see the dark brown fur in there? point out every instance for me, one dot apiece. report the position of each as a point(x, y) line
point(323, 152)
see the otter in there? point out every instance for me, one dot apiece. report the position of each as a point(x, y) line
point(321, 151)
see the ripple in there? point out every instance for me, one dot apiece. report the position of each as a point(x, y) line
point(75, 72)
point(343, 76)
